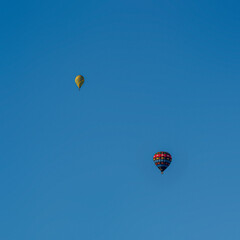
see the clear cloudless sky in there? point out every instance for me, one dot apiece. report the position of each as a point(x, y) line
point(160, 76)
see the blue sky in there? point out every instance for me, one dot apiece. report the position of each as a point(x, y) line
point(160, 76)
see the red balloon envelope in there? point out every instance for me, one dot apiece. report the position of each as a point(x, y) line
point(162, 160)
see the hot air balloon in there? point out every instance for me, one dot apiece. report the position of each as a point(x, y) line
point(162, 160)
point(79, 80)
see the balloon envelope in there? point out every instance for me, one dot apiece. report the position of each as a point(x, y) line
point(79, 80)
point(162, 160)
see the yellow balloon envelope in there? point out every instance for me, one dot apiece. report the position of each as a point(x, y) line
point(79, 80)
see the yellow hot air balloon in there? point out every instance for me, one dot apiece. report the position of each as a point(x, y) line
point(79, 80)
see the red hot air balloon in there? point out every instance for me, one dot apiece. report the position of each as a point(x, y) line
point(162, 160)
